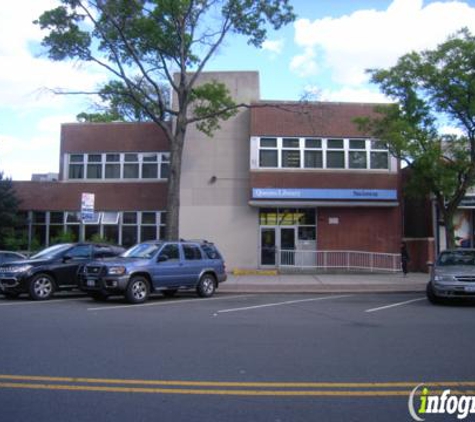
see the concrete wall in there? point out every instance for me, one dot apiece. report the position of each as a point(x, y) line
point(215, 180)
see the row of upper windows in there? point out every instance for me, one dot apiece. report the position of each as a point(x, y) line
point(322, 153)
point(116, 166)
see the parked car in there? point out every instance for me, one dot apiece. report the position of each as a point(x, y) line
point(8, 256)
point(54, 268)
point(150, 267)
point(452, 276)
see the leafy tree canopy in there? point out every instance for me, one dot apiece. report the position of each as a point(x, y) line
point(152, 47)
point(433, 88)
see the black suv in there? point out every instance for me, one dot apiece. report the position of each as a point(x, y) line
point(158, 266)
point(54, 268)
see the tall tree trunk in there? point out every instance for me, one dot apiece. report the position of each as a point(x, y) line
point(172, 231)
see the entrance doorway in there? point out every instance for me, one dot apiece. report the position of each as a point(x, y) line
point(276, 240)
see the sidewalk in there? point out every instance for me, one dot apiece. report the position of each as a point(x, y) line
point(325, 283)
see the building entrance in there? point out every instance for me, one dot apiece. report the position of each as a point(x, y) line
point(285, 234)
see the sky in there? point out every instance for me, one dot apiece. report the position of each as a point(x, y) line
point(323, 55)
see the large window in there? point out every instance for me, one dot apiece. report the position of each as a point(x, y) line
point(119, 166)
point(322, 153)
point(124, 228)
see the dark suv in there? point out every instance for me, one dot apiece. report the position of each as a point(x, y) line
point(54, 268)
point(159, 266)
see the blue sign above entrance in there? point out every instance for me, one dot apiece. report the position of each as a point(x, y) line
point(331, 194)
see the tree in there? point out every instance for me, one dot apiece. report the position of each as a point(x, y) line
point(432, 88)
point(146, 44)
point(8, 210)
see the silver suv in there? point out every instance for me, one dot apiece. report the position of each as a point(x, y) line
point(453, 275)
point(158, 266)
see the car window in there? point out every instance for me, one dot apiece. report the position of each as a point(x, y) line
point(103, 252)
point(456, 258)
point(210, 251)
point(52, 251)
point(192, 252)
point(142, 251)
point(80, 251)
point(171, 251)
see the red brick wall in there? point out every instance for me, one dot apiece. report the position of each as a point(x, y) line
point(51, 196)
point(359, 229)
point(311, 119)
point(336, 180)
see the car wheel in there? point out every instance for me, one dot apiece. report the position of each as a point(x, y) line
point(41, 287)
point(431, 296)
point(206, 286)
point(169, 292)
point(137, 290)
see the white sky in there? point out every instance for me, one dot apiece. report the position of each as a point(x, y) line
point(326, 51)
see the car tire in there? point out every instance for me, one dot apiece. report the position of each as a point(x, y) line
point(431, 296)
point(41, 287)
point(169, 292)
point(206, 286)
point(137, 290)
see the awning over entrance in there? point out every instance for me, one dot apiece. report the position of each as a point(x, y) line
point(274, 197)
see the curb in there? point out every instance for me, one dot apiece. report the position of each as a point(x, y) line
point(295, 288)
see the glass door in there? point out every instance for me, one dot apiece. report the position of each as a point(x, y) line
point(287, 245)
point(268, 246)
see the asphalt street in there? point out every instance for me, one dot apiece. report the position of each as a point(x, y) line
point(234, 357)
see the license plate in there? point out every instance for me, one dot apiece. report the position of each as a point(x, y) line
point(91, 283)
point(470, 289)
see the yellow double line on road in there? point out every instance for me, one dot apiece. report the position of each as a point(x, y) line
point(302, 389)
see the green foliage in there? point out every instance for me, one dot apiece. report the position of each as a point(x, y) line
point(430, 87)
point(64, 237)
point(146, 45)
point(8, 210)
point(97, 238)
point(208, 98)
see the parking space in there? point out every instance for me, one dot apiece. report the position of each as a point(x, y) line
point(229, 303)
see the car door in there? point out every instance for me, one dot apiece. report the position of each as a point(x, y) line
point(67, 266)
point(193, 264)
point(167, 270)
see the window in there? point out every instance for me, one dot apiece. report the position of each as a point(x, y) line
point(379, 155)
point(115, 166)
point(268, 155)
point(192, 252)
point(81, 251)
point(170, 251)
point(357, 154)
point(112, 166)
point(290, 153)
point(335, 154)
point(94, 166)
point(149, 166)
point(313, 155)
point(76, 166)
point(319, 153)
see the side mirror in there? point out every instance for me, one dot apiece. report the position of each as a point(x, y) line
point(162, 258)
point(67, 258)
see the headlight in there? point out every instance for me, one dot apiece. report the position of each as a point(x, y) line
point(441, 278)
point(116, 270)
point(20, 269)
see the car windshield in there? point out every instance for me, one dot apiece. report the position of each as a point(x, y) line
point(52, 251)
point(456, 258)
point(142, 251)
